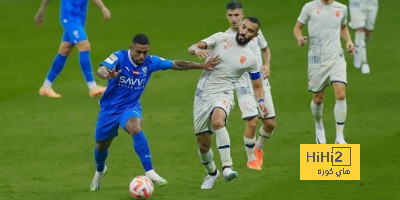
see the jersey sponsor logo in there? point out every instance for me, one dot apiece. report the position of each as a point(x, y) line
point(243, 59)
point(337, 13)
point(227, 44)
point(113, 57)
point(132, 83)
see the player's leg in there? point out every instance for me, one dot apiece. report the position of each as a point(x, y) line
point(218, 122)
point(317, 108)
point(55, 69)
point(340, 110)
point(201, 114)
point(371, 12)
point(131, 121)
point(249, 109)
point(207, 159)
point(106, 130)
point(267, 129)
point(83, 45)
point(358, 22)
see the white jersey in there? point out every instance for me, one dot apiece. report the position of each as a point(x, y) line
point(256, 44)
point(235, 60)
point(368, 2)
point(324, 26)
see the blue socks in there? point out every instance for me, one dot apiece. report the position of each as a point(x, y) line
point(142, 150)
point(100, 158)
point(86, 65)
point(56, 67)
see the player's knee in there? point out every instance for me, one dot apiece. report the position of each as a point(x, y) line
point(318, 99)
point(341, 96)
point(101, 146)
point(134, 130)
point(217, 124)
point(269, 125)
point(252, 123)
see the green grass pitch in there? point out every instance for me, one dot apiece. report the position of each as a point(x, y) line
point(46, 145)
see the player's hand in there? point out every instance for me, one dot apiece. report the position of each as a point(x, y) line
point(265, 71)
point(350, 48)
point(211, 63)
point(202, 53)
point(112, 73)
point(263, 108)
point(302, 40)
point(106, 13)
point(38, 19)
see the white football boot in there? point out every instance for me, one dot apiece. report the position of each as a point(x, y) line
point(365, 69)
point(340, 140)
point(98, 176)
point(229, 174)
point(320, 134)
point(155, 178)
point(209, 181)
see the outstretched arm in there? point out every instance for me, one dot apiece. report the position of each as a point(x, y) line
point(39, 15)
point(105, 73)
point(200, 49)
point(184, 65)
point(104, 9)
point(301, 40)
point(344, 32)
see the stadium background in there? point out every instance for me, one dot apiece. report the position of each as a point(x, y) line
point(47, 144)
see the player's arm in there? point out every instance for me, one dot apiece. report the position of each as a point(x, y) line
point(185, 65)
point(200, 49)
point(106, 73)
point(301, 40)
point(344, 32)
point(103, 8)
point(40, 14)
point(258, 91)
point(267, 58)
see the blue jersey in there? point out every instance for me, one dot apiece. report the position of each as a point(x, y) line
point(125, 90)
point(73, 11)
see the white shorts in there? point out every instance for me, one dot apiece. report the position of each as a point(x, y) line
point(203, 109)
point(247, 101)
point(318, 74)
point(363, 14)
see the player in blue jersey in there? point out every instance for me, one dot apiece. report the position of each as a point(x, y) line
point(72, 18)
point(128, 72)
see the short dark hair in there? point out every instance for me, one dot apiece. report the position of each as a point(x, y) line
point(254, 20)
point(141, 39)
point(232, 5)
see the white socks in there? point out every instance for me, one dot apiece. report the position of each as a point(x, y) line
point(224, 146)
point(47, 83)
point(262, 138)
point(91, 84)
point(208, 161)
point(361, 46)
point(340, 112)
point(316, 111)
point(249, 147)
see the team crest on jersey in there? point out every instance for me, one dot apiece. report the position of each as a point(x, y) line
point(337, 13)
point(144, 69)
point(243, 59)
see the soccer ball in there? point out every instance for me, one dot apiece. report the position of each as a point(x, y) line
point(141, 187)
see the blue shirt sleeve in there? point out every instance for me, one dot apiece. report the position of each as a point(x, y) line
point(255, 76)
point(113, 60)
point(161, 63)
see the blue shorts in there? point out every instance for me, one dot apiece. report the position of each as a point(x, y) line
point(74, 32)
point(109, 121)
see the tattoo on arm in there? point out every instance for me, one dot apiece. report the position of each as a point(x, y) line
point(184, 65)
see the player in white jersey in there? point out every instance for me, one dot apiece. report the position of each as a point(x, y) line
point(327, 21)
point(214, 94)
point(363, 15)
point(245, 94)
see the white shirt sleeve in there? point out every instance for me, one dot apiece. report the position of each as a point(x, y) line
point(213, 40)
point(253, 67)
point(345, 13)
point(262, 43)
point(304, 15)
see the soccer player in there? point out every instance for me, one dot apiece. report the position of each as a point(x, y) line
point(72, 18)
point(214, 94)
point(327, 21)
point(245, 94)
point(363, 15)
point(128, 72)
